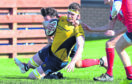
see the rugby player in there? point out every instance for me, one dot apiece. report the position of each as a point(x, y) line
point(55, 57)
point(120, 10)
point(37, 60)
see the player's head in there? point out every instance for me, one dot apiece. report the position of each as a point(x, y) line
point(73, 12)
point(49, 13)
point(109, 2)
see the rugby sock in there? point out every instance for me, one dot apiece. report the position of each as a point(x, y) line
point(90, 62)
point(37, 74)
point(110, 58)
point(33, 63)
point(26, 67)
point(129, 72)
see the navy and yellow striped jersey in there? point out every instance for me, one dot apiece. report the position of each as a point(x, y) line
point(65, 38)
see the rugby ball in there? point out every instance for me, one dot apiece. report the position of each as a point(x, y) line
point(51, 27)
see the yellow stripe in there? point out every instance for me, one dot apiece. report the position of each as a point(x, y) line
point(37, 74)
point(33, 63)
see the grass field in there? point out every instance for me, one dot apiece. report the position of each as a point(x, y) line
point(10, 74)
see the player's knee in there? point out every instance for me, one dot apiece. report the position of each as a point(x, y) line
point(78, 64)
point(33, 63)
point(109, 44)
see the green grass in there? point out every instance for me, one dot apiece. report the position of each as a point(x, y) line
point(10, 74)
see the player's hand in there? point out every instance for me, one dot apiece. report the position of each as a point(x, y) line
point(50, 27)
point(85, 26)
point(110, 33)
point(70, 67)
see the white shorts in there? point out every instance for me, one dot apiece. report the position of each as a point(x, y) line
point(128, 37)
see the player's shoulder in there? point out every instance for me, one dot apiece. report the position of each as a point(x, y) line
point(63, 18)
point(80, 26)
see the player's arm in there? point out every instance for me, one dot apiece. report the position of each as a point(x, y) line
point(80, 45)
point(100, 29)
point(124, 29)
point(72, 54)
point(108, 26)
point(115, 8)
point(78, 55)
point(50, 39)
point(116, 33)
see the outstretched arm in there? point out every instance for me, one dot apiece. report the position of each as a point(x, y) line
point(124, 29)
point(78, 55)
point(116, 33)
point(109, 26)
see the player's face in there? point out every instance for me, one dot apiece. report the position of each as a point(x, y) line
point(47, 18)
point(72, 16)
point(109, 2)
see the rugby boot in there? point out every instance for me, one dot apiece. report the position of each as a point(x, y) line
point(103, 77)
point(103, 62)
point(20, 65)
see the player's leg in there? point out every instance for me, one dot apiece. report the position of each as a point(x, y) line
point(91, 62)
point(110, 45)
point(123, 43)
point(38, 58)
point(46, 72)
point(88, 62)
point(103, 61)
point(34, 62)
point(127, 37)
point(50, 65)
point(37, 73)
point(44, 57)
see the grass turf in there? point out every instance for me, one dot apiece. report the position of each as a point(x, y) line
point(10, 74)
